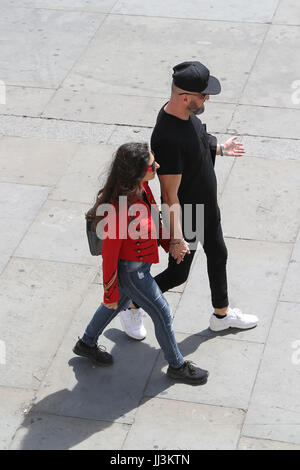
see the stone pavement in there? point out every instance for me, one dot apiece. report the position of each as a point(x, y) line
point(78, 78)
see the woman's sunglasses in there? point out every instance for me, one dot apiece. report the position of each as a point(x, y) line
point(152, 167)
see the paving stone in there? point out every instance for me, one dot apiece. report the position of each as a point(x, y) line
point(103, 6)
point(253, 209)
point(153, 42)
point(85, 174)
point(19, 206)
point(35, 312)
point(52, 35)
point(53, 129)
point(156, 426)
point(32, 161)
point(75, 387)
point(265, 147)
point(13, 402)
point(223, 167)
point(25, 101)
point(218, 116)
point(173, 299)
point(291, 287)
point(46, 432)
point(288, 12)
point(264, 265)
point(210, 10)
point(58, 234)
point(278, 51)
point(247, 443)
point(271, 148)
point(123, 110)
point(296, 250)
point(266, 121)
point(231, 379)
point(274, 409)
point(108, 109)
point(123, 134)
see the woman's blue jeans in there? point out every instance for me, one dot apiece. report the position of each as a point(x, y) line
point(136, 283)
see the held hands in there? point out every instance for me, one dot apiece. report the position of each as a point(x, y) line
point(232, 148)
point(113, 306)
point(179, 249)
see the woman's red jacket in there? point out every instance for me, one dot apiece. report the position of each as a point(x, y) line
point(138, 243)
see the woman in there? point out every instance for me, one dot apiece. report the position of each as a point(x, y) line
point(127, 257)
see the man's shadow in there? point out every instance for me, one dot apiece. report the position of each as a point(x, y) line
point(102, 395)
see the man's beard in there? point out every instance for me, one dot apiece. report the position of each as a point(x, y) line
point(199, 110)
point(195, 110)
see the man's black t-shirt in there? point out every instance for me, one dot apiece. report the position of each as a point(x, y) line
point(184, 147)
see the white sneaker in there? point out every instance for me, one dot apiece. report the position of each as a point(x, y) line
point(132, 323)
point(234, 319)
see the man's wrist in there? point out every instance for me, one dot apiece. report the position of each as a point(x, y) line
point(176, 241)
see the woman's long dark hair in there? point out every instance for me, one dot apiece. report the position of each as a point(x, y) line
point(126, 173)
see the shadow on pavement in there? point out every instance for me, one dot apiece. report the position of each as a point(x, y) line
point(99, 397)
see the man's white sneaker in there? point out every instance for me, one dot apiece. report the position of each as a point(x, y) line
point(234, 319)
point(132, 323)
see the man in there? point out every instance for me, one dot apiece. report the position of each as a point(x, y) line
point(186, 155)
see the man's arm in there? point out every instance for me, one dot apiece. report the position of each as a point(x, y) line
point(169, 191)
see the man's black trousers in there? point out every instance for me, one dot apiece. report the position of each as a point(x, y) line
point(216, 254)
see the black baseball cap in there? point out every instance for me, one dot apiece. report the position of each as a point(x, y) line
point(195, 77)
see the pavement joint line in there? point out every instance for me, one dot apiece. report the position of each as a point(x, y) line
point(268, 334)
point(51, 261)
point(259, 50)
point(219, 336)
point(135, 126)
point(193, 19)
point(257, 240)
point(50, 99)
point(284, 108)
point(48, 414)
point(111, 13)
point(248, 77)
point(67, 10)
point(235, 104)
point(227, 179)
point(158, 397)
point(108, 140)
point(268, 440)
point(46, 118)
point(30, 86)
point(275, 424)
point(26, 184)
point(27, 230)
point(23, 236)
point(72, 158)
point(215, 101)
point(62, 415)
point(13, 387)
point(286, 272)
point(53, 356)
point(158, 352)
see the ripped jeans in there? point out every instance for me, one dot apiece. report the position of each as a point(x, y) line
point(136, 283)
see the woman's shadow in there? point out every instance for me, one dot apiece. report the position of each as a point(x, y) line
point(102, 395)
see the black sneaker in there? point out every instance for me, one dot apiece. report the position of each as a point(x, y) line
point(96, 353)
point(188, 374)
